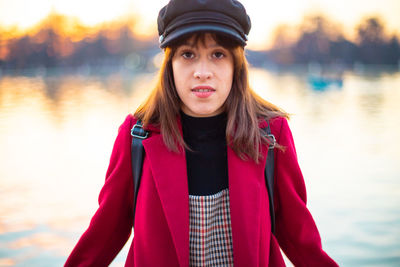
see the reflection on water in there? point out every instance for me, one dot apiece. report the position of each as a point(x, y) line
point(56, 136)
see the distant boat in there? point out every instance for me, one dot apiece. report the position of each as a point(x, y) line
point(321, 83)
point(321, 77)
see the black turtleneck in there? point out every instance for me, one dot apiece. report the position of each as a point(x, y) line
point(207, 167)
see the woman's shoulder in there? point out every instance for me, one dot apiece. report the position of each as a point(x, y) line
point(128, 123)
point(131, 120)
point(279, 125)
point(275, 123)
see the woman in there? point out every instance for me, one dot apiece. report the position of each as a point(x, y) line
point(202, 198)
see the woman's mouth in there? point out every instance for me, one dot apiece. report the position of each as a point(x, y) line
point(203, 91)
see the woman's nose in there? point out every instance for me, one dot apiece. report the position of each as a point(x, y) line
point(202, 71)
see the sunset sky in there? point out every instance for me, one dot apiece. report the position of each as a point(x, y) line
point(265, 14)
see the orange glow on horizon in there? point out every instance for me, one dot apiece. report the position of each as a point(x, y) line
point(78, 19)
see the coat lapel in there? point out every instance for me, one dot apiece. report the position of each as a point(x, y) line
point(245, 182)
point(170, 176)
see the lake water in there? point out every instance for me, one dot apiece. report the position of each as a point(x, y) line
point(57, 132)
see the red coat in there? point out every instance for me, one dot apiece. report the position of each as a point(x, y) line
point(161, 235)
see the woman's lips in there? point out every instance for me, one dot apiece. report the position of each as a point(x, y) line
point(203, 91)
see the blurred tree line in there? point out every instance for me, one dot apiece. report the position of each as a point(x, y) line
point(322, 41)
point(62, 41)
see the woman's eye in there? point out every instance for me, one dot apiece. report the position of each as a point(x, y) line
point(219, 54)
point(187, 54)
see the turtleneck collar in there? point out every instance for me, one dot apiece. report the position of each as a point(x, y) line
point(200, 127)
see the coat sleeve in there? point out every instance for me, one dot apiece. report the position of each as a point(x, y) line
point(296, 230)
point(110, 227)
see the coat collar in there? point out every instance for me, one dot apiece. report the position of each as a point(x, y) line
point(245, 182)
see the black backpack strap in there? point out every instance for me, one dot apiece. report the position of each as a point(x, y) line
point(269, 174)
point(137, 155)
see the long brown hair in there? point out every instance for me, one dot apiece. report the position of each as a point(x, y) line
point(243, 106)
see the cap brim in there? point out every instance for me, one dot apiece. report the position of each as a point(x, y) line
point(189, 29)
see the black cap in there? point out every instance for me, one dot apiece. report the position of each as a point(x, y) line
point(181, 17)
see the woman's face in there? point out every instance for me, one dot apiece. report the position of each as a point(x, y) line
point(203, 75)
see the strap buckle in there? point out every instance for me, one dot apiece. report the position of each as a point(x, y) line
point(272, 140)
point(140, 132)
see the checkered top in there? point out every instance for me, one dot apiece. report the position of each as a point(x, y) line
point(210, 230)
